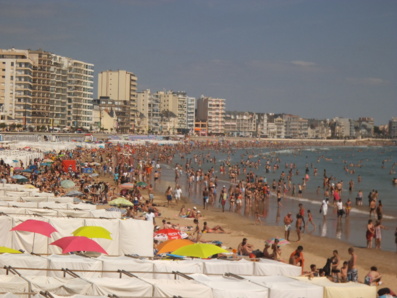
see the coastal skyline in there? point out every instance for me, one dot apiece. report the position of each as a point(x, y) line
point(315, 59)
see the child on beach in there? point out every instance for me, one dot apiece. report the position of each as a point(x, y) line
point(343, 272)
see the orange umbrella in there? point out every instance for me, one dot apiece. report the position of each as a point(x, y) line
point(171, 245)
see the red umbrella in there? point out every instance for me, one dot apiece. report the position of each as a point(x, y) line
point(78, 243)
point(35, 226)
point(169, 234)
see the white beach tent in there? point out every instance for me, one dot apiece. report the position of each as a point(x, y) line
point(128, 236)
point(342, 290)
point(126, 263)
point(266, 267)
point(223, 287)
point(183, 266)
point(242, 267)
point(13, 284)
point(179, 288)
point(74, 262)
point(281, 286)
point(24, 261)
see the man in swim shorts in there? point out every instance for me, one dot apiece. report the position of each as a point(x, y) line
point(287, 225)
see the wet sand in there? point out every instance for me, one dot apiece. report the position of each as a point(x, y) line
point(316, 249)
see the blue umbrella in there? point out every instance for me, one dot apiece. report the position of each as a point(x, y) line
point(28, 171)
point(19, 177)
point(67, 184)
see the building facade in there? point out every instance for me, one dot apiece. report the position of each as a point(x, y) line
point(16, 86)
point(120, 85)
point(212, 111)
point(42, 90)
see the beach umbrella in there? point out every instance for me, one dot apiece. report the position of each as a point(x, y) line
point(171, 245)
point(74, 193)
point(35, 226)
point(199, 250)
point(29, 186)
point(45, 164)
point(93, 232)
point(141, 184)
point(19, 177)
point(4, 250)
point(120, 202)
point(127, 185)
point(27, 170)
point(78, 243)
point(281, 241)
point(169, 234)
point(67, 183)
point(47, 160)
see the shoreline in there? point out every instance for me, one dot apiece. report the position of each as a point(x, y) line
point(316, 249)
point(272, 215)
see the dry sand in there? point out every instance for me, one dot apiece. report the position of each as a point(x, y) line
point(316, 249)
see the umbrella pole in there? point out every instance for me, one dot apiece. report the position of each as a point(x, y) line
point(34, 235)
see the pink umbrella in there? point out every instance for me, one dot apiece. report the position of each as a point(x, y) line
point(78, 243)
point(35, 226)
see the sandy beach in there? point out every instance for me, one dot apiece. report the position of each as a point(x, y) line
point(316, 249)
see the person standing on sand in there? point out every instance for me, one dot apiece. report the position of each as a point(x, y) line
point(168, 195)
point(352, 272)
point(197, 231)
point(378, 234)
point(310, 218)
point(298, 225)
point(287, 225)
point(178, 193)
point(223, 198)
point(379, 210)
point(324, 207)
point(206, 194)
point(369, 235)
point(372, 207)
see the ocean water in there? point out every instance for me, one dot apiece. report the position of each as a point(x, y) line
point(375, 165)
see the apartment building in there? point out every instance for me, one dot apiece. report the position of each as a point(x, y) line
point(120, 85)
point(80, 94)
point(182, 106)
point(261, 125)
point(16, 86)
point(148, 105)
point(111, 115)
point(212, 111)
point(240, 124)
point(392, 127)
point(191, 113)
point(43, 90)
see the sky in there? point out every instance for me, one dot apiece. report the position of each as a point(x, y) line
point(313, 58)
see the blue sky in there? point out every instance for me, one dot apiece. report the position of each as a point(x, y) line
point(313, 58)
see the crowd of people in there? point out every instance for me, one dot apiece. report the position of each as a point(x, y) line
point(116, 165)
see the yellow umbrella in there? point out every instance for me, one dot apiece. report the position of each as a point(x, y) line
point(120, 202)
point(199, 250)
point(29, 186)
point(92, 232)
point(8, 250)
point(171, 245)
